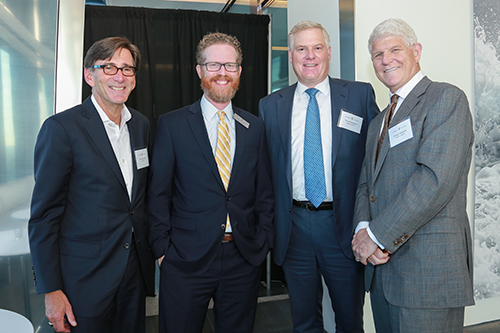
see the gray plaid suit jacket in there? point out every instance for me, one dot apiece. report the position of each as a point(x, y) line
point(415, 200)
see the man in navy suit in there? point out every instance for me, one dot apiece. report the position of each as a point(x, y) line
point(315, 173)
point(210, 201)
point(88, 230)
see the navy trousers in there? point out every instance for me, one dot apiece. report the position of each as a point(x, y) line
point(231, 282)
point(314, 251)
point(127, 312)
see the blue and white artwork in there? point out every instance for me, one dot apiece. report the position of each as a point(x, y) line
point(487, 149)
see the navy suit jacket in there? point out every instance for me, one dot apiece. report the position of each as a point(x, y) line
point(348, 151)
point(81, 215)
point(187, 202)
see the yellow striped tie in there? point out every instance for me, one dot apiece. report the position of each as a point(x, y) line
point(223, 153)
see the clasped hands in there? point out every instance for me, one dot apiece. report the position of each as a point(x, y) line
point(366, 250)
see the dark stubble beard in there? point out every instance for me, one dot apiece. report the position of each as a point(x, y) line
point(220, 95)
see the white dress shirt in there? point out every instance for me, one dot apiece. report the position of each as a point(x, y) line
point(299, 111)
point(119, 138)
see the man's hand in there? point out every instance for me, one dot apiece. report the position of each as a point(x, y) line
point(57, 306)
point(363, 246)
point(379, 257)
point(160, 260)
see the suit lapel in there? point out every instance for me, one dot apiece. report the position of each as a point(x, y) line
point(373, 137)
point(95, 129)
point(411, 101)
point(200, 134)
point(404, 111)
point(338, 97)
point(134, 143)
point(241, 135)
point(284, 116)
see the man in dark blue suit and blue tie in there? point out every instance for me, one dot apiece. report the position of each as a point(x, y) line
point(316, 131)
point(210, 201)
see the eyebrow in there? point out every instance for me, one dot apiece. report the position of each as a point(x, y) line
point(319, 44)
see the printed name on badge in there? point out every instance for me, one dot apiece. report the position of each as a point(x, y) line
point(350, 121)
point(400, 132)
point(141, 158)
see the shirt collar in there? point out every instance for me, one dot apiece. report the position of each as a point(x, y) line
point(408, 87)
point(126, 115)
point(210, 111)
point(323, 87)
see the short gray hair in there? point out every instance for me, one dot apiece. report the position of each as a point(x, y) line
point(307, 25)
point(393, 27)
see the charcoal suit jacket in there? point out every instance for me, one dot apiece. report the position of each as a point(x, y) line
point(415, 200)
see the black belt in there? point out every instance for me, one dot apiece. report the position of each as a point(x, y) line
point(310, 207)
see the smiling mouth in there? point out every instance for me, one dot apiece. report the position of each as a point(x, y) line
point(390, 70)
point(222, 82)
point(309, 65)
point(117, 88)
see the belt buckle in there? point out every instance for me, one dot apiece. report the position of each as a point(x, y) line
point(310, 207)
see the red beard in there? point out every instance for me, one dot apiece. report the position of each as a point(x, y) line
point(220, 94)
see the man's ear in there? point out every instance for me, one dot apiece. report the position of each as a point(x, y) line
point(198, 70)
point(89, 77)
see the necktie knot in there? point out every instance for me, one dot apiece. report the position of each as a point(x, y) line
point(394, 98)
point(312, 92)
point(221, 115)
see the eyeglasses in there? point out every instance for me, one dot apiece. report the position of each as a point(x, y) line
point(216, 66)
point(109, 69)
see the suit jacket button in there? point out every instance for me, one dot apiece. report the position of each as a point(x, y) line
point(372, 198)
point(126, 246)
point(223, 226)
point(132, 213)
point(228, 198)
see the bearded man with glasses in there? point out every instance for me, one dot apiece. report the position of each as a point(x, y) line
point(210, 201)
point(88, 230)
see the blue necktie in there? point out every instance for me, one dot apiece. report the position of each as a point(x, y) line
point(314, 171)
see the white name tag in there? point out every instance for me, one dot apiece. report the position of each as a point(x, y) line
point(242, 121)
point(350, 121)
point(400, 132)
point(141, 158)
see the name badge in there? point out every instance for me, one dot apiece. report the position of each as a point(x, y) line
point(350, 121)
point(141, 158)
point(242, 121)
point(400, 132)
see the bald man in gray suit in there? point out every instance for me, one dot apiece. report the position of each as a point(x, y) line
point(412, 230)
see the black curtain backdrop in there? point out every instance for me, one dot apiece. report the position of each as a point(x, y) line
point(167, 39)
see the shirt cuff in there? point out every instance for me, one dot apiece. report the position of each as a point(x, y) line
point(366, 225)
